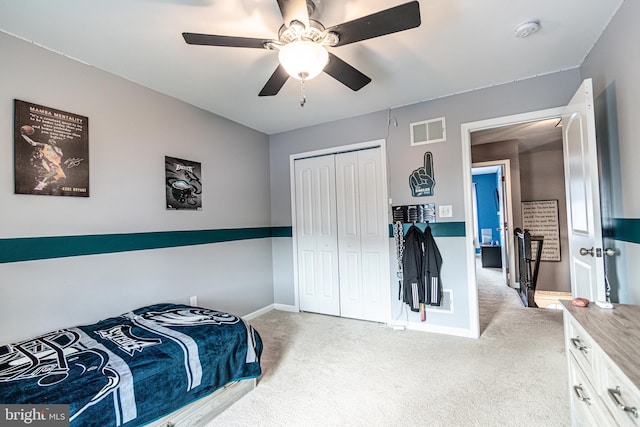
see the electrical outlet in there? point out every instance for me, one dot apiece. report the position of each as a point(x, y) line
point(446, 211)
point(193, 300)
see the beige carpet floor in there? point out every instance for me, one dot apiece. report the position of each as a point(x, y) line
point(328, 371)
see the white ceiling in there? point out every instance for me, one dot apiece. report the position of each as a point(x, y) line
point(461, 45)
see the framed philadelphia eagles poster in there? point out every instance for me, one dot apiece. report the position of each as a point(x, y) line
point(183, 184)
point(51, 151)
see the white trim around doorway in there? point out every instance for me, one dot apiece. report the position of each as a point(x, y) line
point(466, 129)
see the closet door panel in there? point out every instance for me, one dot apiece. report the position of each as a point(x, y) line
point(307, 272)
point(349, 249)
point(324, 203)
point(348, 197)
point(350, 289)
point(372, 283)
point(370, 202)
point(316, 235)
point(374, 236)
point(304, 206)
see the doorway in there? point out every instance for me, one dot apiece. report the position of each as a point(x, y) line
point(533, 157)
point(493, 215)
point(469, 131)
point(534, 151)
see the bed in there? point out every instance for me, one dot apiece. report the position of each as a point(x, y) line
point(156, 364)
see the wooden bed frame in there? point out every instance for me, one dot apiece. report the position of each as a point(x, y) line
point(202, 411)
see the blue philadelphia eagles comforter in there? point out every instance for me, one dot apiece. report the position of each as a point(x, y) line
point(134, 368)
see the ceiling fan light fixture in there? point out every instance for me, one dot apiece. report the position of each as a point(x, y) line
point(272, 45)
point(303, 59)
point(330, 39)
point(297, 27)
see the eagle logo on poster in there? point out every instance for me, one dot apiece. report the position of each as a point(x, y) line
point(183, 184)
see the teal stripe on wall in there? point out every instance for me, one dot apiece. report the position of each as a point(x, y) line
point(28, 249)
point(438, 229)
point(281, 232)
point(34, 248)
point(625, 229)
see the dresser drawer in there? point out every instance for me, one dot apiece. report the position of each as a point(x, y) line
point(604, 370)
point(620, 396)
point(581, 346)
point(588, 409)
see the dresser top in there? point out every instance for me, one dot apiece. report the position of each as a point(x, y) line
point(616, 331)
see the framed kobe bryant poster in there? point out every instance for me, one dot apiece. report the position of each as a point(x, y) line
point(51, 151)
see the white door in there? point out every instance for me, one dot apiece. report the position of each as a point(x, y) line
point(316, 234)
point(362, 235)
point(583, 197)
point(504, 252)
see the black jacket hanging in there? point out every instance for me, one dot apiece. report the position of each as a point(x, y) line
point(412, 266)
point(432, 263)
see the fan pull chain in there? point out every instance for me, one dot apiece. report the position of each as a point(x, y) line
point(303, 98)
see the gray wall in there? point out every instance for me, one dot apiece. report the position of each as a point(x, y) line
point(131, 129)
point(539, 93)
point(614, 66)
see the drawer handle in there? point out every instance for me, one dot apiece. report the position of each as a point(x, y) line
point(578, 344)
point(616, 396)
point(580, 393)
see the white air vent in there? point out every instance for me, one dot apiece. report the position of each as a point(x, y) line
point(428, 131)
point(446, 304)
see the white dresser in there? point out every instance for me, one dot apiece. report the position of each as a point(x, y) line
point(603, 352)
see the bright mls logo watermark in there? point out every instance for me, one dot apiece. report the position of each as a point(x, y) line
point(34, 415)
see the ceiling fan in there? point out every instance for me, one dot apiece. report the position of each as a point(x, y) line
point(302, 42)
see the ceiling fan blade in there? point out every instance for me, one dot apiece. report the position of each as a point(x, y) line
point(275, 82)
point(294, 10)
point(393, 20)
point(345, 73)
point(229, 41)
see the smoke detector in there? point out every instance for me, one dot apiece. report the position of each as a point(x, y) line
point(527, 28)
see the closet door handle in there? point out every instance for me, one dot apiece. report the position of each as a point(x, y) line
point(580, 393)
point(616, 396)
point(578, 345)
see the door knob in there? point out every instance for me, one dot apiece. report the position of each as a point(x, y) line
point(610, 252)
point(585, 251)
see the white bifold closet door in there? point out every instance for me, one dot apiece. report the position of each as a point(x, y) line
point(317, 235)
point(342, 235)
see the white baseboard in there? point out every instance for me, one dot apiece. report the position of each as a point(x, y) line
point(425, 327)
point(286, 307)
point(259, 312)
point(270, 307)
